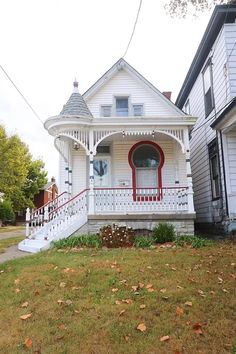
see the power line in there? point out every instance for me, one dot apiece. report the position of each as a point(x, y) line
point(26, 101)
point(132, 34)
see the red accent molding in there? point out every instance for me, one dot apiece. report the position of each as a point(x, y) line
point(159, 174)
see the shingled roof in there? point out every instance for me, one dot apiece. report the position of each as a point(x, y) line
point(76, 105)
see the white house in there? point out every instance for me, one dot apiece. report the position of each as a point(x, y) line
point(124, 158)
point(209, 92)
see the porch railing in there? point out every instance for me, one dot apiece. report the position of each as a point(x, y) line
point(125, 199)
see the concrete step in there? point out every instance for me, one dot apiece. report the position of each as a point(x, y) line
point(34, 246)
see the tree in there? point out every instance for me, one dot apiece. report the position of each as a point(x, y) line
point(180, 8)
point(21, 177)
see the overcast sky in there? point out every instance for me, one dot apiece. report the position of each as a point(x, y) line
point(46, 44)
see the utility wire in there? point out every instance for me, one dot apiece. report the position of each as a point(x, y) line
point(26, 101)
point(132, 34)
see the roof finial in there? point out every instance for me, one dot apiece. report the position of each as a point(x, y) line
point(76, 84)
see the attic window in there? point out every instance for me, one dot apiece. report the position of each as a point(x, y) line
point(137, 110)
point(208, 88)
point(122, 106)
point(105, 111)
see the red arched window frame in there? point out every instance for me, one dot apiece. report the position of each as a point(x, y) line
point(159, 173)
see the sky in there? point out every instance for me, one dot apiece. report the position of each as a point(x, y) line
point(46, 44)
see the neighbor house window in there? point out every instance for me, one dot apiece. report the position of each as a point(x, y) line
point(122, 107)
point(208, 88)
point(137, 110)
point(187, 107)
point(106, 111)
point(214, 169)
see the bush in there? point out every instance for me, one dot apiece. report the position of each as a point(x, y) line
point(143, 241)
point(193, 241)
point(92, 241)
point(113, 236)
point(7, 214)
point(164, 232)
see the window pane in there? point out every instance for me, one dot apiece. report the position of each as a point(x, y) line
point(122, 107)
point(137, 110)
point(146, 156)
point(106, 111)
point(207, 79)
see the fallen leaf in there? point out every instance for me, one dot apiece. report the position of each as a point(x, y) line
point(188, 303)
point(28, 343)
point(17, 291)
point(173, 268)
point(61, 326)
point(225, 291)
point(164, 338)
point(127, 337)
point(220, 280)
point(140, 285)
point(60, 302)
point(25, 304)
point(69, 302)
point(163, 291)
point(36, 292)
point(127, 301)
point(114, 290)
point(17, 281)
point(150, 290)
point(179, 287)
point(141, 327)
point(179, 311)
point(149, 267)
point(62, 285)
point(148, 286)
point(142, 306)
point(197, 327)
point(121, 312)
point(134, 287)
point(118, 302)
point(25, 317)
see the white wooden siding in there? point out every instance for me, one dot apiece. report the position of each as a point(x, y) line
point(79, 171)
point(123, 84)
point(202, 134)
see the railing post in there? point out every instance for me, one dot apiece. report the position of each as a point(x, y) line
point(190, 184)
point(45, 216)
point(91, 194)
point(27, 219)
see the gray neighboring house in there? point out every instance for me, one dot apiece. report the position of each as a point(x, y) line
point(209, 93)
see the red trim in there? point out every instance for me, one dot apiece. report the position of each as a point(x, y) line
point(159, 175)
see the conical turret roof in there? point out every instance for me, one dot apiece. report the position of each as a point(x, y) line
point(76, 106)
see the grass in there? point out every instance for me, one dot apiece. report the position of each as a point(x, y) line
point(11, 228)
point(7, 242)
point(75, 299)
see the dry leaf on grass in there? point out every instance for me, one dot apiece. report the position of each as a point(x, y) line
point(17, 291)
point(141, 327)
point(25, 317)
point(25, 304)
point(121, 312)
point(197, 327)
point(142, 306)
point(148, 286)
point(164, 338)
point(61, 326)
point(179, 311)
point(36, 292)
point(28, 343)
point(188, 303)
point(150, 290)
point(114, 290)
point(17, 281)
point(62, 284)
point(163, 291)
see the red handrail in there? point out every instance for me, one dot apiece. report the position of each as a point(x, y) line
point(43, 206)
point(68, 201)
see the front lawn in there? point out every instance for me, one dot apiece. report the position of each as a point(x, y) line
point(7, 242)
point(120, 301)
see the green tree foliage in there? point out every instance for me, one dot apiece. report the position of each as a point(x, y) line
point(6, 212)
point(21, 177)
point(180, 8)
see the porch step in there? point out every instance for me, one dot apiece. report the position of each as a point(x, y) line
point(34, 246)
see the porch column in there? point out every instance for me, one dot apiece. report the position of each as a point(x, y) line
point(91, 194)
point(189, 174)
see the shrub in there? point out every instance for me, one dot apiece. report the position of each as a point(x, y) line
point(7, 214)
point(164, 232)
point(143, 241)
point(114, 236)
point(194, 241)
point(92, 241)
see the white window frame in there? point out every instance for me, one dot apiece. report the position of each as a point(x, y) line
point(213, 153)
point(102, 110)
point(137, 104)
point(208, 66)
point(114, 105)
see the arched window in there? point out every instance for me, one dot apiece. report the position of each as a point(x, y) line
point(146, 159)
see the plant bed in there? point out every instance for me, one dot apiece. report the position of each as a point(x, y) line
point(114, 236)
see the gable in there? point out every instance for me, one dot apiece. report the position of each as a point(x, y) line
point(124, 82)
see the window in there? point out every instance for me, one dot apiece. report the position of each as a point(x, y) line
point(214, 169)
point(208, 89)
point(105, 111)
point(187, 107)
point(122, 107)
point(146, 156)
point(137, 110)
point(103, 149)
